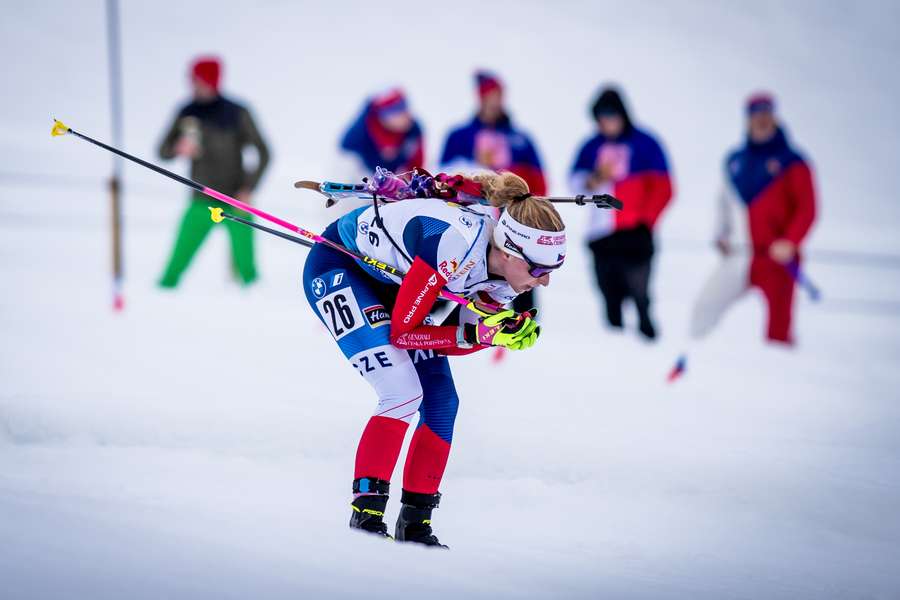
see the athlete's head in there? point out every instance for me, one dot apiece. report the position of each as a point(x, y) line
point(529, 240)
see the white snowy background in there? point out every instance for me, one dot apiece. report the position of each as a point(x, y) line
point(200, 444)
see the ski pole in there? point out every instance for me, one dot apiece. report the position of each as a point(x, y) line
point(803, 281)
point(218, 215)
point(59, 128)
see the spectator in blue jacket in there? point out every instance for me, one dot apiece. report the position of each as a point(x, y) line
point(490, 141)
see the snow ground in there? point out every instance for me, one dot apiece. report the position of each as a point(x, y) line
point(200, 444)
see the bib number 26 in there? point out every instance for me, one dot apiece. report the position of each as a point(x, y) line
point(340, 312)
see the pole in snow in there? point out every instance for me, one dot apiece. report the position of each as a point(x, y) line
point(115, 182)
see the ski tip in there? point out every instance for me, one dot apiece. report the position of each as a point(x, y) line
point(215, 213)
point(59, 128)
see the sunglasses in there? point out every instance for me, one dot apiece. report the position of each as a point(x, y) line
point(536, 270)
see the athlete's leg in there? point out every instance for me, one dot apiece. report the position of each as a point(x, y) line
point(430, 445)
point(344, 298)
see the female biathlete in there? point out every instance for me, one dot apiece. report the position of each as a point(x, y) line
point(385, 332)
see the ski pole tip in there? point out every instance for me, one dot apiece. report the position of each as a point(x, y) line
point(59, 128)
point(215, 213)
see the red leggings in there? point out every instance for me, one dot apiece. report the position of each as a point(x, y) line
point(777, 286)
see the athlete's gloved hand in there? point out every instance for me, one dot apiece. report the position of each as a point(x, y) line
point(506, 328)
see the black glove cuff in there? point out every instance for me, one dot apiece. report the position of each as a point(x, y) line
point(469, 333)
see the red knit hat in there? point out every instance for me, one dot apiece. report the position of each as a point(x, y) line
point(487, 82)
point(760, 102)
point(390, 102)
point(207, 69)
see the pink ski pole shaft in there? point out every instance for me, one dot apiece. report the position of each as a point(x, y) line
point(59, 128)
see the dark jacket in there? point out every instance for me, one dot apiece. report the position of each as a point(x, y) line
point(226, 128)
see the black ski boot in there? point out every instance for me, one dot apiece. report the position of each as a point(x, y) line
point(368, 510)
point(414, 522)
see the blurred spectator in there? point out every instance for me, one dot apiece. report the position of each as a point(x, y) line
point(766, 209)
point(212, 131)
point(385, 134)
point(490, 141)
point(630, 164)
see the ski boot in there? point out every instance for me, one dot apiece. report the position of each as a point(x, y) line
point(414, 522)
point(368, 510)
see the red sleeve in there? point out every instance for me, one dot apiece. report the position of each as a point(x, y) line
point(419, 290)
point(803, 198)
point(658, 193)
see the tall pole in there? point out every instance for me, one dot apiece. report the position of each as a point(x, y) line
point(115, 182)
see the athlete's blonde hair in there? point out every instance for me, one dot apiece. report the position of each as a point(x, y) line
point(509, 192)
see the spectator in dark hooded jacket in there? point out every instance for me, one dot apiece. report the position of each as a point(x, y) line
point(629, 163)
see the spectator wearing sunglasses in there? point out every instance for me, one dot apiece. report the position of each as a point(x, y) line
point(628, 162)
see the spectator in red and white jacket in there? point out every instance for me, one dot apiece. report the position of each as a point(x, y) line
point(766, 209)
point(630, 164)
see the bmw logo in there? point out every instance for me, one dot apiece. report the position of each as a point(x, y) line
point(318, 287)
point(465, 220)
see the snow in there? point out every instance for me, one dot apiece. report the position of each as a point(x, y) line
point(200, 444)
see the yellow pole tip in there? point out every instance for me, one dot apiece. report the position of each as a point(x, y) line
point(215, 213)
point(59, 128)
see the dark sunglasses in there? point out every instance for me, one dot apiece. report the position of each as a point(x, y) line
point(536, 270)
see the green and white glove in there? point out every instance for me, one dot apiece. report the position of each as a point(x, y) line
point(506, 328)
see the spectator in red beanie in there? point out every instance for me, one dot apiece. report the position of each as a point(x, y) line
point(212, 131)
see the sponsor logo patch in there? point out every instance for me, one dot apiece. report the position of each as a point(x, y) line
point(464, 269)
point(363, 227)
point(511, 246)
point(432, 282)
point(447, 268)
point(512, 230)
point(552, 240)
point(377, 316)
point(465, 220)
point(318, 287)
point(337, 279)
